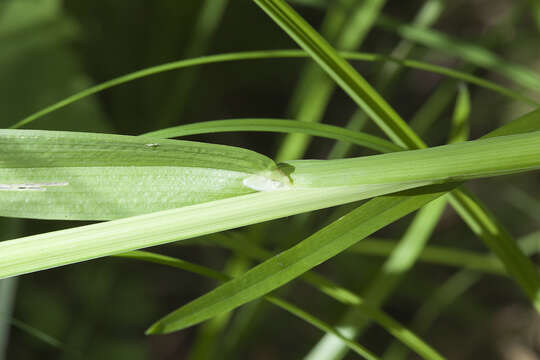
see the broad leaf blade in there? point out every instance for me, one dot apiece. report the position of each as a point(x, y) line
point(83, 176)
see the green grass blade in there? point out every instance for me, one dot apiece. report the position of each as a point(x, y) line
point(472, 53)
point(455, 162)
point(207, 272)
point(266, 54)
point(295, 261)
point(279, 125)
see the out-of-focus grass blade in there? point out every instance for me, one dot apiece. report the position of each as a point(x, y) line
point(279, 125)
point(314, 3)
point(67, 175)
point(474, 54)
point(207, 343)
point(437, 255)
point(524, 201)
point(7, 297)
point(206, 272)
point(484, 225)
point(267, 54)
point(447, 293)
point(208, 19)
point(10, 228)
point(439, 300)
point(535, 5)
point(460, 124)
point(434, 106)
point(295, 261)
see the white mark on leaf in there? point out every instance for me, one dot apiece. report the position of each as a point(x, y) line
point(31, 186)
point(262, 183)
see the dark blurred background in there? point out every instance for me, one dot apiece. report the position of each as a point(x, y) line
point(51, 49)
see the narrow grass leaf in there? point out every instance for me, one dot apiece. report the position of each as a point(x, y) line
point(295, 261)
point(266, 54)
point(279, 125)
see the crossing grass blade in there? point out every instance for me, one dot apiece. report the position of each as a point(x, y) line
point(268, 54)
point(278, 125)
